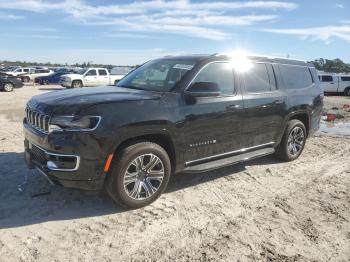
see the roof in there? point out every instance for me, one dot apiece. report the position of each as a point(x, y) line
point(216, 56)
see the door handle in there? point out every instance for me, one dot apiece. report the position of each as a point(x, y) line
point(332, 83)
point(278, 102)
point(233, 107)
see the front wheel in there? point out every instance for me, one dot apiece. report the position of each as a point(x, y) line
point(293, 141)
point(77, 84)
point(139, 174)
point(8, 87)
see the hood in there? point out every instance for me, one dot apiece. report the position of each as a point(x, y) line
point(72, 76)
point(72, 100)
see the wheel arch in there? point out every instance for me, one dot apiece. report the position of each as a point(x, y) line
point(302, 116)
point(162, 139)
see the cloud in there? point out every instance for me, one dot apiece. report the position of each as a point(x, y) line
point(339, 6)
point(181, 17)
point(10, 17)
point(326, 33)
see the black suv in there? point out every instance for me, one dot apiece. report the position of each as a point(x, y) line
point(171, 115)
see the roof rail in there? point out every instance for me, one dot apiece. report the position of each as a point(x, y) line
point(262, 56)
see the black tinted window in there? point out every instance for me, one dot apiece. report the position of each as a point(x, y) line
point(295, 77)
point(219, 73)
point(91, 73)
point(327, 78)
point(345, 78)
point(102, 72)
point(257, 79)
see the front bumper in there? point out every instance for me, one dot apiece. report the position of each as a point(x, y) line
point(62, 159)
point(66, 83)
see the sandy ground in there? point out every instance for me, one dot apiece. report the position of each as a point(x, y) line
point(262, 210)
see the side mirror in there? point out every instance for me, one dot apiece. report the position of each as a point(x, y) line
point(203, 89)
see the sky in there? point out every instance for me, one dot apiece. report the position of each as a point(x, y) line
point(132, 32)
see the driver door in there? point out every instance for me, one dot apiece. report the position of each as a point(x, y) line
point(212, 125)
point(90, 78)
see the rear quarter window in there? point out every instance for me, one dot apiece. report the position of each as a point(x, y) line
point(295, 77)
point(345, 78)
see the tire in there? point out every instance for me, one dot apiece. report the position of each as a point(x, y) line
point(77, 84)
point(347, 91)
point(121, 186)
point(293, 141)
point(26, 79)
point(8, 87)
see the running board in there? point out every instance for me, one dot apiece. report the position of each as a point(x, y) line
point(229, 160)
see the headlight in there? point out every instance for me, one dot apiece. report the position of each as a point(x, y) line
point(74, 123)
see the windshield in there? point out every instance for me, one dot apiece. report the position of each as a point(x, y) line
point(81, 71)
point(157, 75)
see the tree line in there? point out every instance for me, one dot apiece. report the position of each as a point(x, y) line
point(48, 64)
point(331, 66)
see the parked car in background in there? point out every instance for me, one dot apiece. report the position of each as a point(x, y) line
point(54, 78)
point(335, 83)
point(172, 115)
point(36, 73)
point(8, 83)
point(21, 71)
point(121, 70)
point(90, 77)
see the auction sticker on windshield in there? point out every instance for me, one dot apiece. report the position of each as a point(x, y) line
point(183, 66)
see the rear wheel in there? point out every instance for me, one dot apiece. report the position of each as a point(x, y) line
point(293, 141)
point(347, 91)
point(139, 175)
point(77, 84)
point(26, 79)
point(8, 87)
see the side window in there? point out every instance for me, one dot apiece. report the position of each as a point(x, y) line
point(257, 79)
point(26, 70)
point(327, 78)
point(295, 77)
point(91, 72)
point(219, 73)
point(102, 72)
point(345, 78)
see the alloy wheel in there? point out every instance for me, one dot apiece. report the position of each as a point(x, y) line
point(8, 87)
point(296, 140)
point(143, 177)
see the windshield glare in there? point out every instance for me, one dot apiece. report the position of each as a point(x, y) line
point(81, 71)
point(157, 75)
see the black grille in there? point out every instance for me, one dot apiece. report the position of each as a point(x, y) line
point(37, 120)
point(38, 155)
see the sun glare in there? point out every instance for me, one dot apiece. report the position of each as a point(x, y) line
point(240, 61)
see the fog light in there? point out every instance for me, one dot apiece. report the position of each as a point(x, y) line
point(51, 165)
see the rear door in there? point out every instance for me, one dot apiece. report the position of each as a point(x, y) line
point(328, 83)
point(213, 124)
point(264, 106)
point(103, 77)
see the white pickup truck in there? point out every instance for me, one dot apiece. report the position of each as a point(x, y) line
point(90, 77)
point(335, 83)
